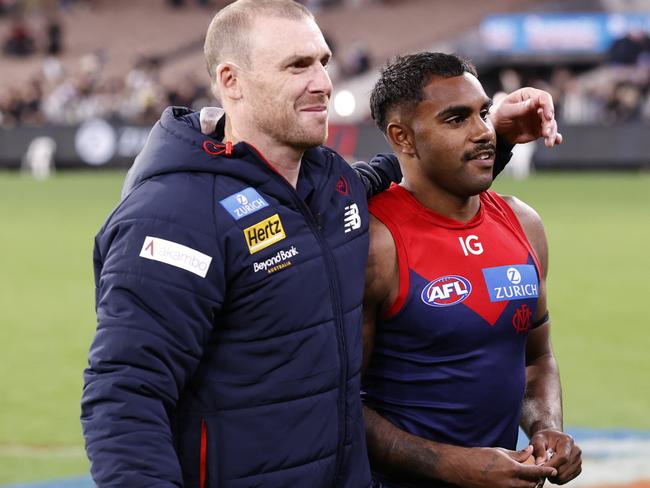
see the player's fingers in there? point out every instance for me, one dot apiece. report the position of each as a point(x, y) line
point(557, 462)
point(567, 475)
point(549, 132)
point(562, 454)
point(545, 101)
point(535, 473)
point(565, 447)
point(572, 467)
point(526, 483)
point(521, 456)
point(539, 446)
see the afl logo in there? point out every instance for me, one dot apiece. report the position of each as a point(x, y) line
point(446, 291)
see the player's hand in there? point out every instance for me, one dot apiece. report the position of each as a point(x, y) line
point(490, 467)
point(525, 115)
point(208, 119)
point(566, 458)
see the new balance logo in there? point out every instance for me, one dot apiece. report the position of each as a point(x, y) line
point(351, 218)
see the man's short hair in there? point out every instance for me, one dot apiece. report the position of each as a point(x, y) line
point(401, 83)
point(229, 33)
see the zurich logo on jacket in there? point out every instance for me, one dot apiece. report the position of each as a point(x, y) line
point(228, 344)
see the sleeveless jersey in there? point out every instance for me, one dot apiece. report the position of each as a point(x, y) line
point(449, 357)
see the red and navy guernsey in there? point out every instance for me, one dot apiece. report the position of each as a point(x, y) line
point(449, 357)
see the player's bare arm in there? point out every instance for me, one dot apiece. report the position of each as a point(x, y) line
point(399, 452)
point(408, 456)
point(382, 280)
point(542, 408)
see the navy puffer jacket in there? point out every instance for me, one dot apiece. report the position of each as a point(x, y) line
point(228, 344)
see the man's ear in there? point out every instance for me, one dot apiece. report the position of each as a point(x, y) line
point(401, 138)
point(227, 82)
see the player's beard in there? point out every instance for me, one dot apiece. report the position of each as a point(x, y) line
point(285, 127)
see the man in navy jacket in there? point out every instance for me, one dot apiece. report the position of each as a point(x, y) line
point(229, 280)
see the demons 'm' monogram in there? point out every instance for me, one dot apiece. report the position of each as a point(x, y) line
point(521, 319)
point(342, 186)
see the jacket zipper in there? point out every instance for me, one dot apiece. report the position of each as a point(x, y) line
point(337, 309)
point(203, 454)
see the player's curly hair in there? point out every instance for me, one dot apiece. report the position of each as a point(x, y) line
point(402, 81)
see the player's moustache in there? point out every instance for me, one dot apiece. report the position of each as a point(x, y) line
point(478, 150)
point(312, 101)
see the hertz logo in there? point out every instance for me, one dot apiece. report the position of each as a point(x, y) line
point(264, 233)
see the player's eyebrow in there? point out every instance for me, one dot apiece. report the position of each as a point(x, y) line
point(307, 59)
point(462, 110)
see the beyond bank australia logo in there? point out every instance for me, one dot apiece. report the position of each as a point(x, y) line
point(446, 291)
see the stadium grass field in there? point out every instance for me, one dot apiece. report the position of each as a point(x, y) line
point(598, 227)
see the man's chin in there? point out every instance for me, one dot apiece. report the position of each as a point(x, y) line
point(481, 184)
point(311, 140)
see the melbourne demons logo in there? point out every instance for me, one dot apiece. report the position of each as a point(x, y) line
point(446, 291)
point(521, 319)
point(342, 186)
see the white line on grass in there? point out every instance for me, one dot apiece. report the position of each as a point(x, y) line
point(36, 451)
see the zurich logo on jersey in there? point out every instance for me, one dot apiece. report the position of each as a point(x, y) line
point(446, 291)
point(515, 282)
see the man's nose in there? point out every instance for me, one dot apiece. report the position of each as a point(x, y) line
point(482, 130)
point(321, 82)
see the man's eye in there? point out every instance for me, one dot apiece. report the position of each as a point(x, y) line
point(484, 114)
point(455, 120)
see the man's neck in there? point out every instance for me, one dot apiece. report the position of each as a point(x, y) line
point(433, 197)
point(284, 159)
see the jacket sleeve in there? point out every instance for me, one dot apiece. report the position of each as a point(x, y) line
point(153, 320)
point(502, 156)
point(379, 173)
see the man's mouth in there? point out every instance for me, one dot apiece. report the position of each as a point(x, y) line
point(485, 155)
point(314, 108)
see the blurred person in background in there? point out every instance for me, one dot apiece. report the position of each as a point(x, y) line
point(456, 343)
point(631, 48)
point(21, 41)
point(229, 280)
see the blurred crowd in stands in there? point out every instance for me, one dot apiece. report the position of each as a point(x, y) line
point(616, 91)
point(55, 97)
point(613, 92)
point(138, 98)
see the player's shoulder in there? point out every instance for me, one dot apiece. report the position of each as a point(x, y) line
point(381, 269)
point(380, 234)
point(180, 200)
point(526, 214)
point(531, 223)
